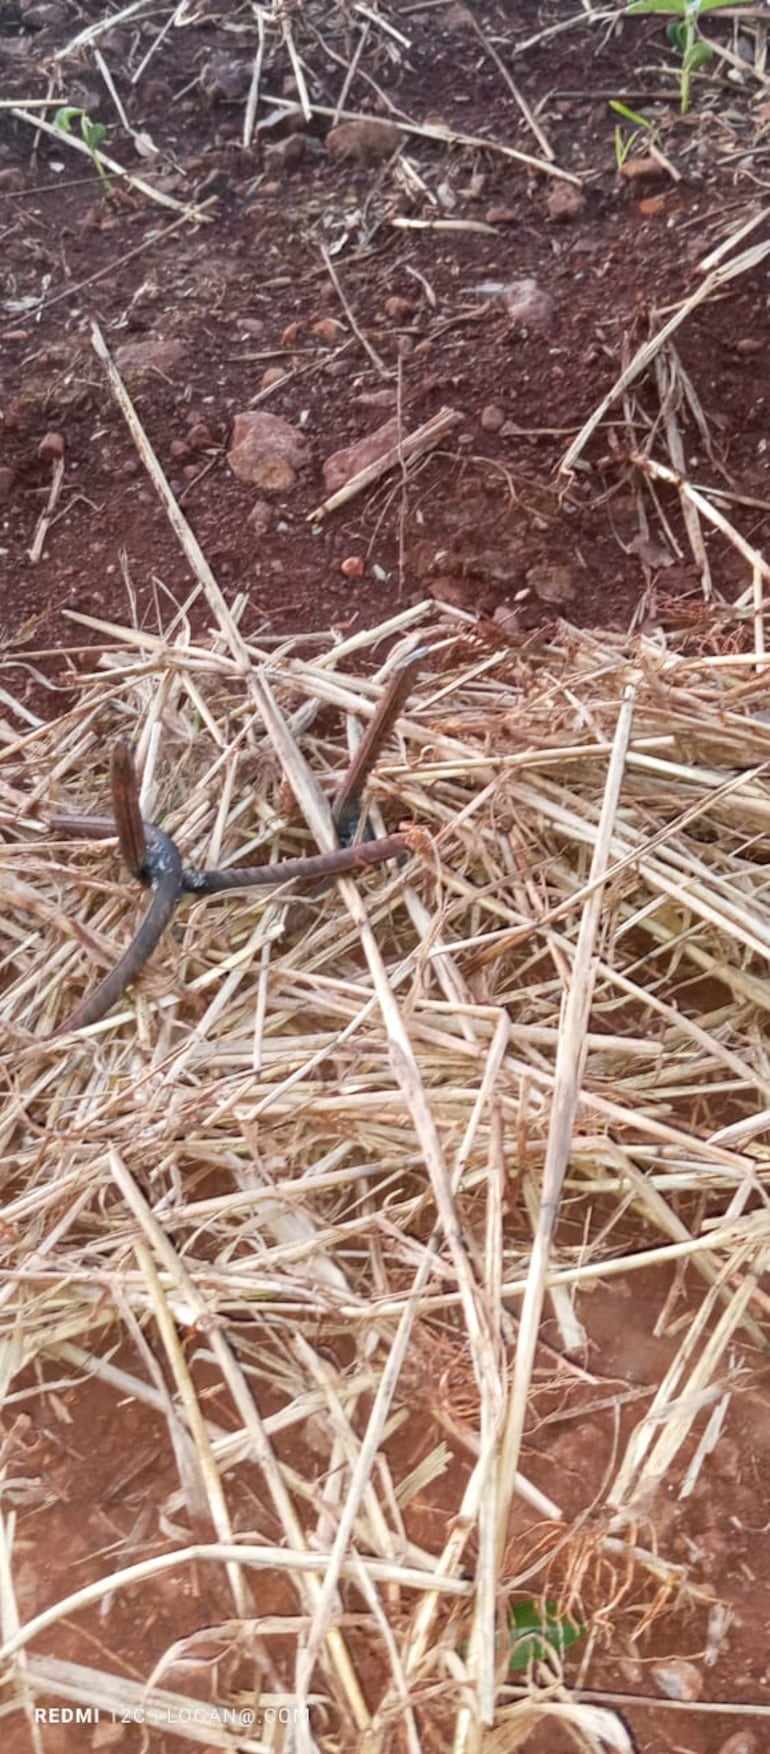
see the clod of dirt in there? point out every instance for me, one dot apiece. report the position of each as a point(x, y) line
point(352, 567)
point(636, 169)
point(507, 620)
point(399, 309)
point(272, 375)
point(456, 17)
point(45, 15)
point(552, 584)
point(564, 202)
point(329, 330)
point(501, 216)
point(225, 77)
point(154, 354)
point(492, 417)
point(51, 447)
point(260, 517)
point(366, 142)
point(285, 155)
point(265, 451)
point(199, 437)
point(528, 304)
point(12, 180)
point(375, 399)
point(677, 1679)
point(342, 465)
point(651, 553)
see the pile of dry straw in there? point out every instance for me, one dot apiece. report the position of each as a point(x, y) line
point(339, 1150)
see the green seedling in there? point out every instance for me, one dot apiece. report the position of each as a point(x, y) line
point(91, 133)
point(535, 1633)
point(682, 33)
point(625, 143)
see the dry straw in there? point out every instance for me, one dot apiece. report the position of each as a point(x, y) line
point(338, 1151)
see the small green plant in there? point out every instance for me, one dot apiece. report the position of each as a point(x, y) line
point(625, 143)
point(535, 1632)
point(91, 133)
point(682, 33)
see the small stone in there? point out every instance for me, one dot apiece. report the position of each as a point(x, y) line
point(528, 305)
point(260, 517)
point(291, 334)
point(365, 142)
point(6, 483)
point(501, 216)
point(552, 584)
point(51, 448)
point(492, 417)
point(329, 330)
point(261, 440)
point(563, 203)
point(353, 567)
point(154, 354)
point(748, 345)
point(274, 475)
point(342, 465)
point(677, 1679)
point(273, 375)
point(12, 180)
point(178, 450)
point(398, 309)
point(634, 169)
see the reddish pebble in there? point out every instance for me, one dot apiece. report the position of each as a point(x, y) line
point(492, 417)
point(273, 375)
point(51, 448)
point(178, 449)
point(398, 309)
point(328, 330)
point(290, 335)
point(353, 567)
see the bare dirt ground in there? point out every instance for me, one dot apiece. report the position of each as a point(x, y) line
point(340, 288)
